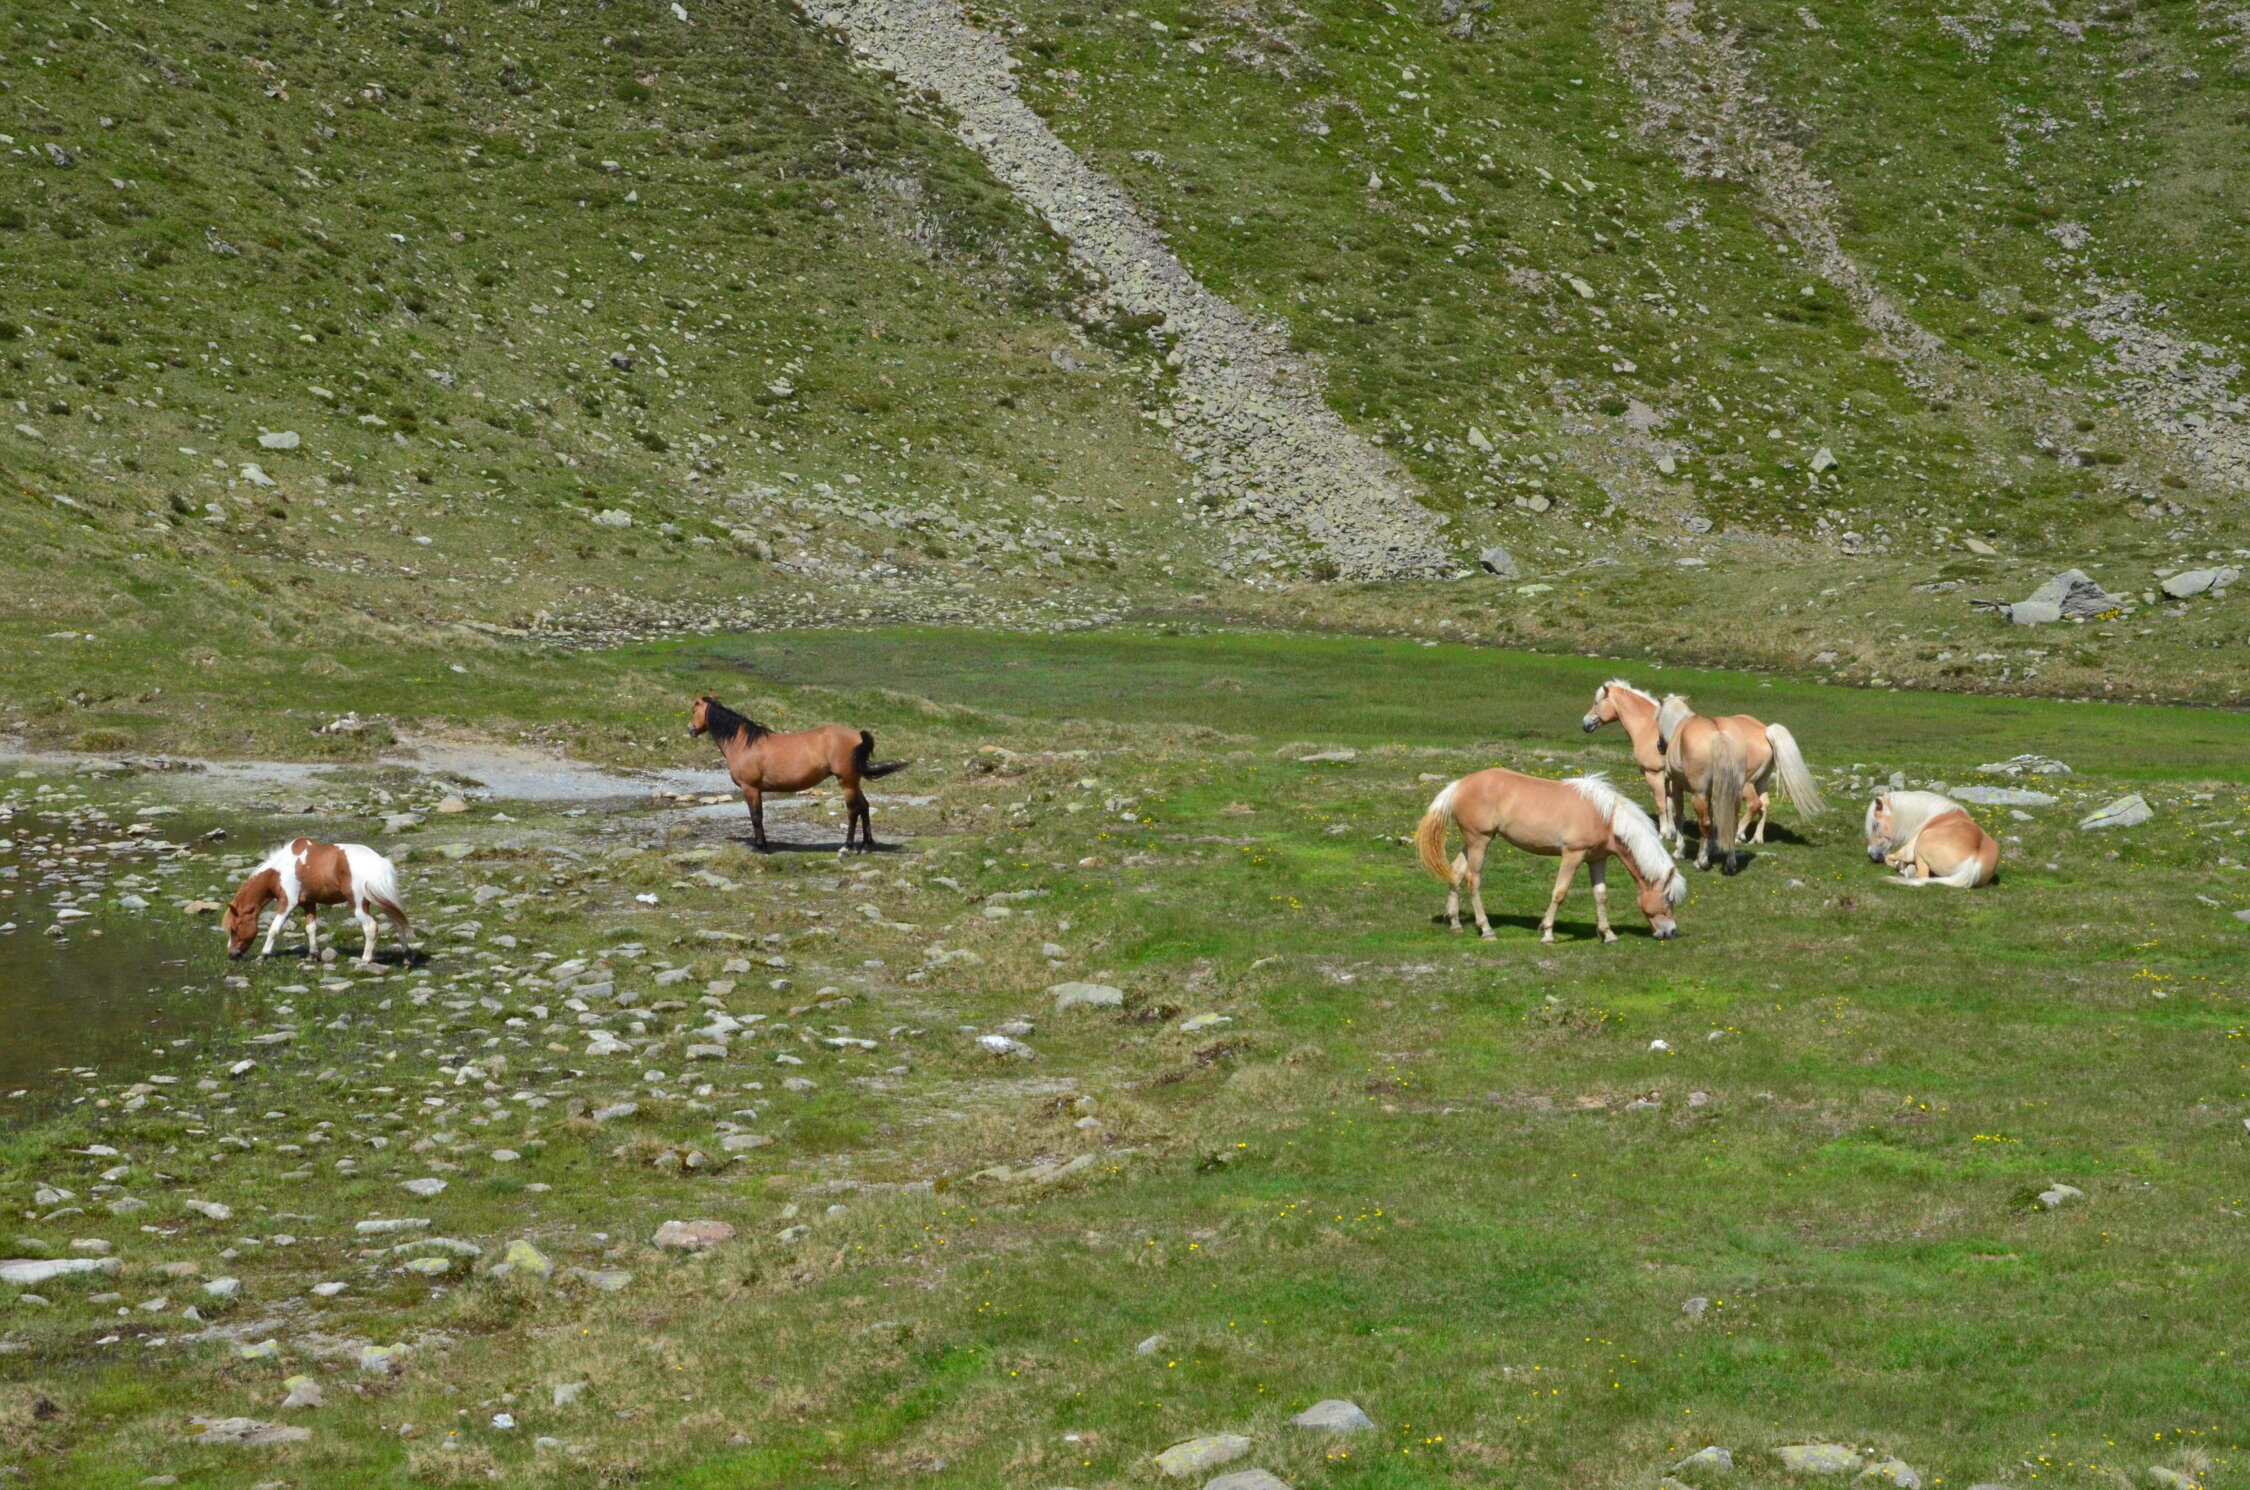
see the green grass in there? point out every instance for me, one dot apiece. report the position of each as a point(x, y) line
point(1405, 1172)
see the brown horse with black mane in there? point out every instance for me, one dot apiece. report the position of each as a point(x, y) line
point(761, 760)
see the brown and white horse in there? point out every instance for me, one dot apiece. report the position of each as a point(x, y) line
point(761, 760)
point(1581, 821)
point(1768, 754)
point(1930, 839)
point(308, 873)
point(1619, 702)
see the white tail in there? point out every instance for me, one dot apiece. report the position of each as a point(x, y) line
point(1790, 769)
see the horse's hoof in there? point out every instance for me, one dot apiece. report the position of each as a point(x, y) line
point(1609, 936)
point(1488, 935)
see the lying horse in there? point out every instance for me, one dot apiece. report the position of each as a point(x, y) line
point(1768, 753)
point(761, 761)
point(305, 872)
point(1930, 839)
point(1583, 821)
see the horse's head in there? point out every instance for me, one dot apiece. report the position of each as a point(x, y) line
point(699, 717)
point(1603, 712)
point(1658, 897)
point(241, 917)
point(1880, 830)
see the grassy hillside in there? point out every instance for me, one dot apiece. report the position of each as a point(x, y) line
point(1758, 336)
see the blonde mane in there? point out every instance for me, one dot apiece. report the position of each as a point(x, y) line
point(1911, 812)
point(1668, 716)
point(1634, 828)
point(1640, 693)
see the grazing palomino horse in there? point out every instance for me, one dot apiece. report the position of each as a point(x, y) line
point(1583, 821)
point(1930, 839)
point(1768, 753)
point(761, 761)
point(1619, 702)
point(306, 872)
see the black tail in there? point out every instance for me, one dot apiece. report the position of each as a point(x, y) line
point(869, 770)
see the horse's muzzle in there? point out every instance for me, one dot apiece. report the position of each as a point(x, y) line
point(1590, 723)
point(1664, 931)
point(236, 954)
point(1877, 853)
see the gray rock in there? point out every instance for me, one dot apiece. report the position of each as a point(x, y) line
point(1693, 1308)
point(1330, 758)
point(280, 439)
point(2025, 765)
point(1247, 1479)
point(1893, 1471)
point(2170, 1479)
point(2242, 915)
point(210, 1208)
point(425, 1187)
point(29, 1272)
point(2195, 581)
point(692, 1236)
point(1819, 1458)
point(224, 1288)
point(1150, 1346)
point(1199, 1454)
point(2002, 796)
point(1499, 562)
point(387, 1225)
point(2072, 594)
point(1086, 996)
point(247, 1432)
point(303, 1392)
point(2126, 812)
point(2058, 1195)
point(1712, 1460)
point(601, 1280)
point(1335, 1416)
point(569, 1392)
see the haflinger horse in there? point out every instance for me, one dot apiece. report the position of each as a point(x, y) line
point(1724, 766)
point(761, 760)
point(1930, 839)
point(1619, 702)
point(307, 873)
point(1581, 821)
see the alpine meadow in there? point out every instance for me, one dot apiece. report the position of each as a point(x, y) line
point(1248, 744)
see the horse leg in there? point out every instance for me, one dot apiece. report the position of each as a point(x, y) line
point(1571, 859)
point(1473, 855)
point(1759, 803)
point(366, 919)
point(312, 933)
point(1663, 799)
point(1598, 872)
point(279, 918)
point(1453, 890)
point(855, 802)
point(756, 800)
point(1703, 831)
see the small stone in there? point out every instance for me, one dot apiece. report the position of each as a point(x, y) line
point(692, 1236)
point(210, 1208)
point(430, 1267)
point(264, 1350)
point(224, 1288)
point(505, 1156)
point(1893, 1471)
point(1498, 562)
point(2196, 581)
point(601, 1280)
point(425, 1187)
point(614, 1111)
point(452, 805)
point(90, 1246)
point(303, 1392)
point(2170, 1479)
point(522, 1257)
point(1824, 459)
point(1330, 758)
point(382, 1360)
point(568, 1393)
point(1197, 1023)
point(280, 439)
point(739, 1143)
point(1247, 1479)
point(1006, 1048)
point(328, 1290)
point(1150, 1346)
point(1086, 996)
point(247, 1432)
point(1336, 1416)
point(387, 1225)
point(2126, 812)
point(1713, 1460)
point(1818, 1458)
point(1694, 1308)
point(2058, 1195)
point(1199, 1454)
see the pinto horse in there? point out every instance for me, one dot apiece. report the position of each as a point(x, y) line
point(1768, 753)
point(1930, 839)
point(306, 872)
point(1581, 821)
point(761, 760)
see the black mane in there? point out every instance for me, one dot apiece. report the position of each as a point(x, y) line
point(723, 724)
